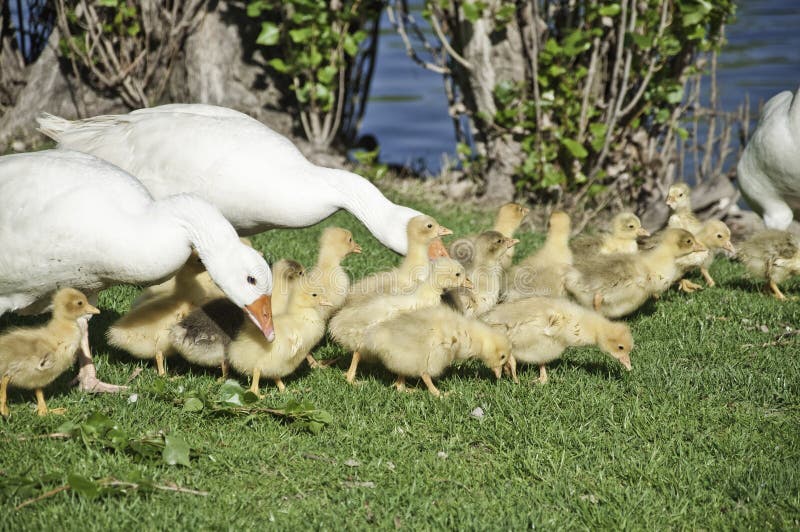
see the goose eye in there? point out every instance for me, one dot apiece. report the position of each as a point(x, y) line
point(430, 226)
point(251, 280)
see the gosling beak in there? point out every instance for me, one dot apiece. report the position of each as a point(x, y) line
point(356, 249)
point(511, 242)
point(525, 211)
point(625, 360)
point(671, 202)
point(498, 372)
point(443, 231)
point(324, 302)
point(699, 247)
point(729, 247)
point(642, 232)
point(436, 249)
point(467, 283)
point(260, 311)
point(91, 309)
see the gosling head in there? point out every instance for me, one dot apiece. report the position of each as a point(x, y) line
point(617, 341)
point(447, 273)
point(559, 224)
point(495, 351)
point(678, 196)
point(680, 242)
point(424, 229)
point(628, 226)
point(717, 235)
point(492, 245)
point(512, 214)
point(70, 304)
point(338, 241)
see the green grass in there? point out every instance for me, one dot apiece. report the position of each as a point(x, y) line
point(703, 433)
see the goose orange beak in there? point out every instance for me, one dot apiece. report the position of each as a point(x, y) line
point(260, 311)
point(642, 232)
point(436, 249)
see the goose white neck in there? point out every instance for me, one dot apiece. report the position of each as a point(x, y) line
point(384, 219)
point(205, 227)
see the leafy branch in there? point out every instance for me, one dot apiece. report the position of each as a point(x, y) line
point(234, 400)
point(91, 488)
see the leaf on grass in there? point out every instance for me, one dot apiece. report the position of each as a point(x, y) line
point(176, 451)
point(84, 486)
point(193, 404)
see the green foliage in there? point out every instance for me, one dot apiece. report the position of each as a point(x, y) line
point(312, 42)
point(98, 430)
point(568, 150)
point(369, 165)
point(233, 400)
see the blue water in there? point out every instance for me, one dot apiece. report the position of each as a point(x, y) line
point(761, 59)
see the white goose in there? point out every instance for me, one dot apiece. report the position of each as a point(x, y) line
point(769, 170)
point(255, 176)
point(71, 219)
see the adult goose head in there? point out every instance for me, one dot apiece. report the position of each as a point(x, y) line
point(71, 219)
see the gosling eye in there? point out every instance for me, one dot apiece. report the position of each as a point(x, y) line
point(251, 280)
point(349, 239)
point(458, 275)
point(680, 195)
point(313, 295)
point(430, 226)
point(719, 236)
point(80, 303)
point(630, 227)
point(621, 347)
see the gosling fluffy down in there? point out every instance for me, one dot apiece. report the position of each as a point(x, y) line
point(773, 255)
point(616, 285)
point(423, 343)
point(33, 357)
point(542, 274)
point(422, 231)
point(296, 332)
point(144, 331)
point(482, 258)
point(540, 329)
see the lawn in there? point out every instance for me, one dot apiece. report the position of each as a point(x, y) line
point(703, 433)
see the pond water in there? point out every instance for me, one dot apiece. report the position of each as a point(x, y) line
point(407, 110)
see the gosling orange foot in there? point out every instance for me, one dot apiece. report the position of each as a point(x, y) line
point(687, 286)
